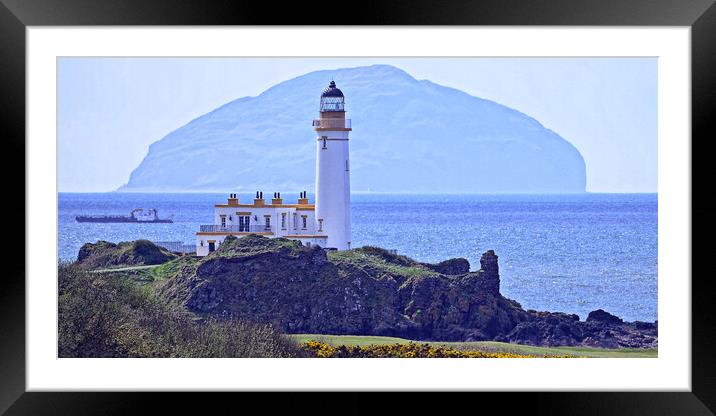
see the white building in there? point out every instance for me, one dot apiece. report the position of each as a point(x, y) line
point(327, 223)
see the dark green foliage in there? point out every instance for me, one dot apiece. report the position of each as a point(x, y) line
point(93, 249)
point(149, 253)
point(254, 244)
point(387, 256)
point(102, 315)
point(450, 267)
point(172, 268)
point(104, 254)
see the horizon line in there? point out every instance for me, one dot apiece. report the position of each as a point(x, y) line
point(365, 192)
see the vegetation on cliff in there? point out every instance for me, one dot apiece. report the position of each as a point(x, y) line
point(365, 291)
point(409, 350)
point(361, 291)
point(103, 315)
point(493, 347)
point(104, 254)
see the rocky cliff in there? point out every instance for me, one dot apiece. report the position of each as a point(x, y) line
point(369, 291)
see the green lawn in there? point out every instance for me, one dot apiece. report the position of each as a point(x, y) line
point(125, 269)
point(151, 274)
point(487, 346)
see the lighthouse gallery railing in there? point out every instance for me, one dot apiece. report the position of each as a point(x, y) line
point(331, 123)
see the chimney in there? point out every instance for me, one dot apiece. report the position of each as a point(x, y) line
point(303, 200)
point(277, 200)
point(259, 200)
point(233, 200)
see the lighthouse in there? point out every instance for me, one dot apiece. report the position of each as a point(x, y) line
point(333, 187)
point(327, 223)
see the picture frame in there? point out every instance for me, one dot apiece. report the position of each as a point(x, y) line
point(16, 15)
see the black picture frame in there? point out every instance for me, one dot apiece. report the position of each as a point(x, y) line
point(699, 15)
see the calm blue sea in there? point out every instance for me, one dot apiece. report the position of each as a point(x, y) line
point(568, 253)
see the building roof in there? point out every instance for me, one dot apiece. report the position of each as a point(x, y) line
point(299, 207)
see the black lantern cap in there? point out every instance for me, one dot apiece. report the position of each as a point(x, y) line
point(332, 91)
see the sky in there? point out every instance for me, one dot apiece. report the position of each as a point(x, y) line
point(111, 109)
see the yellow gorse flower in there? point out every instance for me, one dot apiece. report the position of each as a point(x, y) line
point(409, 350)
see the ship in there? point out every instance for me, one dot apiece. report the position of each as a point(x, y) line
point(137, 215)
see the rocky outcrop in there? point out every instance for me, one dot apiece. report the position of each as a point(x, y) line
point(104, 254)
point(601, 315)
point(370, 291)
point(451, 267)
point(557, 329)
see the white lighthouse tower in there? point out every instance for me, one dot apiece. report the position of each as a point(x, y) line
point(333, 185)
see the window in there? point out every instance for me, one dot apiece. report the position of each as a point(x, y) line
point(295, 220)
point(304, 219)
point(346, 165)
point(320, 224)
point(283, 220)
point(324, 142)
point(223, 221)
point(244, 223)
point(267, 222)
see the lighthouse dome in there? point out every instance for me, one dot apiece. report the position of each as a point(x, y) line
point(332, 91)
point(332, 98)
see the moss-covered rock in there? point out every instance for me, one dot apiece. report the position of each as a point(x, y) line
point(104, 254)
point(362, 291)
point(370, 291)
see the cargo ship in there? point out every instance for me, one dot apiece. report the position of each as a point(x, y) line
point(137, 215)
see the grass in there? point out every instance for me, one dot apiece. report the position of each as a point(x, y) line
point(150, 273)
point(172, 268)
point(365, 260)
point(125, 269)
point(110, 315)
point(484, 346)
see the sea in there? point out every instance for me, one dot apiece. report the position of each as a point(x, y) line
point(565, 253)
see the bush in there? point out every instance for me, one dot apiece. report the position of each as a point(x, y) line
point(109, 316)
point(410, 350)
point(387, 256)
point(104, 254)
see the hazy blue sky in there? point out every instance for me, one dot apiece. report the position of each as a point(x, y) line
point(111, 109)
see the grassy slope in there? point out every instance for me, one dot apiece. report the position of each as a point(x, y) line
point(366, 258)
point(395, 265)
point(110, 315)
point(487, 346)
point(151, 273)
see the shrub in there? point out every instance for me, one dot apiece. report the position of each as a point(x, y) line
point(409, 350)
point(104, 254)
point(387, 256)
point(110, 316)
